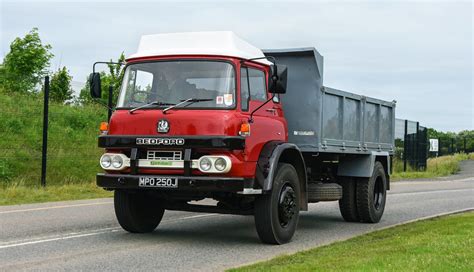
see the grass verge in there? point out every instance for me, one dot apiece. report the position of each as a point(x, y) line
point(20, 194)
point(441, 244)
point(73, 154)
point(437, 167)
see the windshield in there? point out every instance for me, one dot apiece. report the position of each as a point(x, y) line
point(174, 81)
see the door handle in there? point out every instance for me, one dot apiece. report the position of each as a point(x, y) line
point(271, 110)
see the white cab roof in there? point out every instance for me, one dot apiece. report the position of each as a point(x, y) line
point(216, 43)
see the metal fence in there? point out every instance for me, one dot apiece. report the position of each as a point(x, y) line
point(451, 145)
point(411, 144)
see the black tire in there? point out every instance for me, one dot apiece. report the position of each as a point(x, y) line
point(372, 195)
point(137, 212)
point(348, 202)
point(277, 213)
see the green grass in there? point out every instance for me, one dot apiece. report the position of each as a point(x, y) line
point(72, 150)
point(12, 195)
point(436, 167)
point(442, 244)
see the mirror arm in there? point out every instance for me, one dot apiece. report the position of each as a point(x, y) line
point(105, 62)
point(100, 102)
point(259, 107)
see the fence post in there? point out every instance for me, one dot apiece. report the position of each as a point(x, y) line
point(45, 131)
point(416, 146)
point(405, 147)
point(452, 145)
point(465, 151)
point(111, 91)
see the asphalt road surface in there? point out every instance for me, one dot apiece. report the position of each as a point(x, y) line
point(84, 235)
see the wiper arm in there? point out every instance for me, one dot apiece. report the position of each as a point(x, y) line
point(189, 100)
point(150, 104)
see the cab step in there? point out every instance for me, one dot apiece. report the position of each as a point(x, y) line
point(324, 192)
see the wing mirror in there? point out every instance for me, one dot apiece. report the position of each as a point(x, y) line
point(95, 85)
point(278, 79)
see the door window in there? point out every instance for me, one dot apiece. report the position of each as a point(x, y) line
point(253, 85)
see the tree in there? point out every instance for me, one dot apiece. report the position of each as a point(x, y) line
point(26, 64)
point(112, 78)
point(60, 86)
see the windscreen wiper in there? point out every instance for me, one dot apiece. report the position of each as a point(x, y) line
point(154, 103)
point(189, 100)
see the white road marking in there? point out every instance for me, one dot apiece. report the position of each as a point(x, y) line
point(56, 207)
point(55, 236)
point(433, 191)
point(432, 181)
point(54, 239)
point(73, 235)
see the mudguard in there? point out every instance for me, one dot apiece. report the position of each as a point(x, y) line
point(275, 152)
point(363, 165)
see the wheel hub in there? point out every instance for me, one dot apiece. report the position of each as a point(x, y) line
point(378, 193)
point(286, 205)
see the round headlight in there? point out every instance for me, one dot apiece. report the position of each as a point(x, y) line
point(105, 161)
point(205, 164)
point(117, 161)
point(220, 164)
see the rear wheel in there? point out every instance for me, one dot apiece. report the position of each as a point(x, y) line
point(371, 195)
point(137, 212)
point(348, 202)
point(276, 213)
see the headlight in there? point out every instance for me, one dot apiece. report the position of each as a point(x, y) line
point(220, 164)
point(205, 164)
point(117, 161)
point(105, 161)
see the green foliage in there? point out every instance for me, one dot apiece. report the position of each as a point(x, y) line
point(20, 194)
point(72, 146)
point(26, 64)
point(442, 244)
point(60, 86)
point(450, 142)
point(112, 78)
point(436, 167)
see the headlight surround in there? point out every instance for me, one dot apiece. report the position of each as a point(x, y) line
point(220, 164)
point(205, 164)
point(114, 161)
point(105, 161)
point(117, 161)
point(214, 164)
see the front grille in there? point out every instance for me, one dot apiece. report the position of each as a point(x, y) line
point(164, 155)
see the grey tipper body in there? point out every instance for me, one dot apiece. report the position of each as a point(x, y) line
point(323, 119)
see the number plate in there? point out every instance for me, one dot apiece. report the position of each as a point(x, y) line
point(158, 182)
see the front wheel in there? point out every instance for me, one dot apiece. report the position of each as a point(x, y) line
point(277, 213)
point(137, 212)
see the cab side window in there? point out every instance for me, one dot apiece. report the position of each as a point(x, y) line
point(252, 85)
point(257, 85)
point(244, 89)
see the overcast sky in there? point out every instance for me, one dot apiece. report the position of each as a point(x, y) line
point(418, 53)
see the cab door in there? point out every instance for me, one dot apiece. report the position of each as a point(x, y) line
point(268, 121)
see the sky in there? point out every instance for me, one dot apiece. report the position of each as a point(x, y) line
point(419, 53)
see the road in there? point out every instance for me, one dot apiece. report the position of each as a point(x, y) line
point(84, 235)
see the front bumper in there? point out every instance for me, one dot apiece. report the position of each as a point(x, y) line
point(185, 183)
